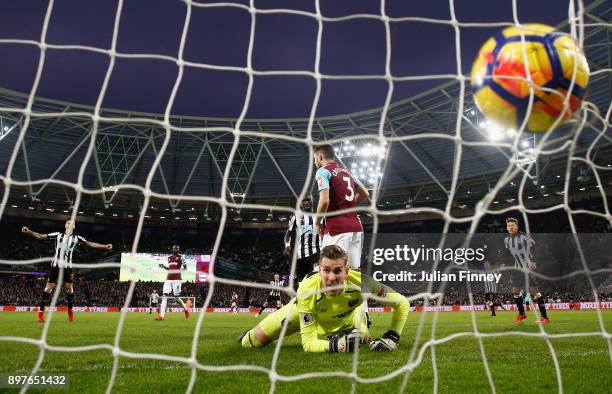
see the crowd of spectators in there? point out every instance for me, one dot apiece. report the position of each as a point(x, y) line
point(454, 298)
point(257, 252)
point(19, 290)
point(266, 256)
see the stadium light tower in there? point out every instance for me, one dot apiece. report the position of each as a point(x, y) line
point(365, 159)
point(5, 128)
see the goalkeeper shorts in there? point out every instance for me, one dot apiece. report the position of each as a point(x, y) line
point(273, 323)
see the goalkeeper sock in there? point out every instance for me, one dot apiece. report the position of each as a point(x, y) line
point(542, 307)
point(249, 340)
point(518, 300)
point(44, 299)
point(162, 311)
point(70, 299)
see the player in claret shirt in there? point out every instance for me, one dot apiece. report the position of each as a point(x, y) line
point(339, 190)
point(176, 262)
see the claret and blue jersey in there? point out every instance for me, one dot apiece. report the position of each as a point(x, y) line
point(342, 192)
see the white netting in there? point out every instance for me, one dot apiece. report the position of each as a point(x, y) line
point(418, 351)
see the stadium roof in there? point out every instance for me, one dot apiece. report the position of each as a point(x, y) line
point(272, 159)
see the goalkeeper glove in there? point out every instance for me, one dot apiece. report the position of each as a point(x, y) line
point(345, 343)
point(387, 343)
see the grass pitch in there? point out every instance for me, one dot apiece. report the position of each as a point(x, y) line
point(517, 363)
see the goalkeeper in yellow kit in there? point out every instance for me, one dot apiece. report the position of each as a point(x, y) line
point(333, 314)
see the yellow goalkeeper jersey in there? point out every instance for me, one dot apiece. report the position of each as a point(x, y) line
point(322, 314)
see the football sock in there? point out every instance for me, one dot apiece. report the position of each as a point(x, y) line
point(492, 309)
point(542, 307)
point(249, 340)
point(44, 300)
point(162, 311)
point(70, 299)
point(518, 300)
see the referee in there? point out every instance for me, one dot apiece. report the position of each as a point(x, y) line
point(303, 236)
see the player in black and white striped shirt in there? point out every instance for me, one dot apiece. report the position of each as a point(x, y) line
point(491, 299)
point(520, 246)
point(154, 301)
point(306, 241)
point(274, 295)
point(65, 244)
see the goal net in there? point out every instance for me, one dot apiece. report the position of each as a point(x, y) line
point(459, 187)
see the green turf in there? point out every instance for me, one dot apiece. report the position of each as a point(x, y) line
point(517, 363)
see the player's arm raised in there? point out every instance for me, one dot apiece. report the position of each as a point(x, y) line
point(95, 245)
point(34, 234)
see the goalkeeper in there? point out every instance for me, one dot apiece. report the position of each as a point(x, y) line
point(333, 314)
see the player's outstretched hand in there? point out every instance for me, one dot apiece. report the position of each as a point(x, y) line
point(345, 343)
point(24, 229)
point(387, 343)
point(108, 246)
point(162, 266)
point(287, 251)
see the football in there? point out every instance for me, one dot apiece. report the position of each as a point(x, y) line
point(505, 64)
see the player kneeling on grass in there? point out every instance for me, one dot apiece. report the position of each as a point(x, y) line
point(333, 314)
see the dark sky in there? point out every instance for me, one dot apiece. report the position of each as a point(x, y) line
point(220, 36)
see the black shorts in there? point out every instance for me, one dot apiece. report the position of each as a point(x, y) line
point(272, 299)
point(304, 266)
point(54, 275)
point(517, 278)
point(154, 303)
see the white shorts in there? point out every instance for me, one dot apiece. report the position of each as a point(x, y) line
point(350, 242)
point(234, 305)
point(172, 286)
